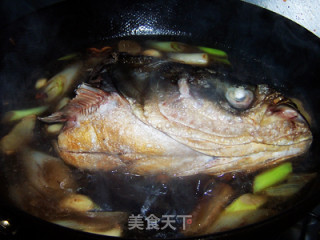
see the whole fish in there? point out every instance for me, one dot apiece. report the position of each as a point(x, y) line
point(146, 115)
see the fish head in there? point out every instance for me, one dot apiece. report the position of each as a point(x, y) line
point(267, 128)
point(280, 122)
point(242, 126)
point(151, 116)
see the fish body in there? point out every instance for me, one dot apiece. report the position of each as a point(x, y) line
point(149, 116)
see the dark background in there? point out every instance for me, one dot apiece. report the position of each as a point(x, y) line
point(11, 10)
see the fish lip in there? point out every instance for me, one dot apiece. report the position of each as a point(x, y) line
point(278, 102)
point(279, 108)
point(266, 162)
point(287, 102)
point(303, 135)
point(307, 139)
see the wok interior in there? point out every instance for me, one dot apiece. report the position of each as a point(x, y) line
point(271, 50)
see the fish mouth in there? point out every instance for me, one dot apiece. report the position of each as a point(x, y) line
point(286, 140)
point(287, 110)
point(282, 124)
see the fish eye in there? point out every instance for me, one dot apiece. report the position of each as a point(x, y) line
point(239, 97)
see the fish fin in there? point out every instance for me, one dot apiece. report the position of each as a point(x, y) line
point(87, 100)
point(53, 118)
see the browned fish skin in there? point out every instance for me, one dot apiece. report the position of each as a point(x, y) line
point(176, 130)
point(94, 142)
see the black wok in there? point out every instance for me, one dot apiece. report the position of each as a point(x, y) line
point(266, 48)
